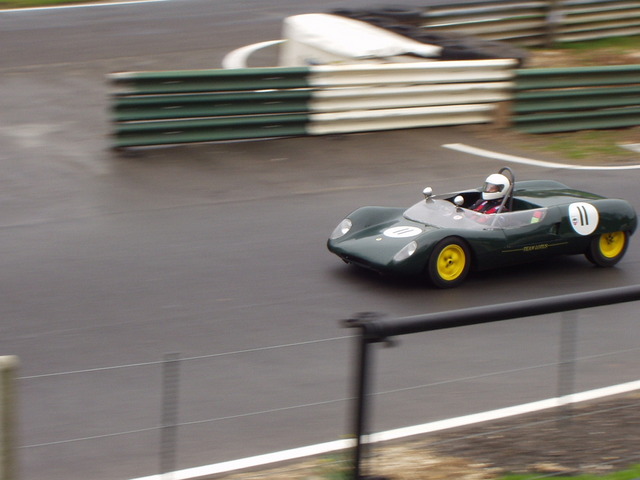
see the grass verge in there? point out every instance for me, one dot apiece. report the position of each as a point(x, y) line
point(629, 474)
point(586, 146)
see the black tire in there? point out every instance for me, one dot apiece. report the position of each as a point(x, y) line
point(493, 49)
point(376, 21)
point(401, 14)
point(430, 38)
point(449, 263)
point(461, 52)
point(349, 13)
point(404, 30)
point(607, 249)
point(474, 48)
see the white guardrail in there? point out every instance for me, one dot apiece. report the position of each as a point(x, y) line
point(411, 73)
point(374, 98)
point(398, 118)
point(368, 97)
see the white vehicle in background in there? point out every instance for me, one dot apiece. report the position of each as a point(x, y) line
point(322, 38)
point(319, 39)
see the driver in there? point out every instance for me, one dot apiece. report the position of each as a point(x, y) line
point(495, 188)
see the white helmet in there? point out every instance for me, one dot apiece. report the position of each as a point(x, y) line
point(495, 186)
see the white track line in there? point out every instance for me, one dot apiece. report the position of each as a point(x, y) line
point(634, 147)
point(461, 147)
point(80, 5)
point(260, 460)
point(322, 448)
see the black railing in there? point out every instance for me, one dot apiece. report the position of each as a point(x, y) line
point(376, 328)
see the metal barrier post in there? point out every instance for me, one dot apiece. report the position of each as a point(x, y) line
point(361, 402)
point(168, 432)
point(566, 366)
point(362, 374)
point(8, 422)
point(553, 21)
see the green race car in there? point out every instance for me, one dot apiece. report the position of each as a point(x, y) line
point(443, 238)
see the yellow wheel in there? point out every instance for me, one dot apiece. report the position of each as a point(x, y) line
point(449, 263)
point(612, 244)
point(607, 249)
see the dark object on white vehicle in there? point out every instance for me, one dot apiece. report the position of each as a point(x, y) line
point(455, 46)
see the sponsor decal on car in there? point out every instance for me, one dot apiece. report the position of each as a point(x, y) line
point(535, 248)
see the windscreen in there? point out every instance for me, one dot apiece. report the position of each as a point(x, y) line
point(444, 214)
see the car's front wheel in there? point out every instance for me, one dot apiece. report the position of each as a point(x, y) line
point(607, 249)
point(449, 263)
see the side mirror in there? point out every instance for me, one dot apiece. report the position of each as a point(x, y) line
point(459, 200)
point(427, 192)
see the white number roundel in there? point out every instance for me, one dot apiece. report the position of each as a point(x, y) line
point(402, 232)
point(584, 218)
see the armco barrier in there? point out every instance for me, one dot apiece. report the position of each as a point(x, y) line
point(194, 81)
point(531, 22)
point(536, 22)
point(567, 99)
point(162, 108)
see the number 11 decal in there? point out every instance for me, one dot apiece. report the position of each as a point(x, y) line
point(584, 218)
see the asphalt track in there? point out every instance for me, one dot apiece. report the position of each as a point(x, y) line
point(212, 250)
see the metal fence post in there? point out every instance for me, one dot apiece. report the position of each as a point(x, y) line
point(566, 367)
point(168, 432)
point(363, 367)
point(362, 377)
point(553, 21)
point(8, 418)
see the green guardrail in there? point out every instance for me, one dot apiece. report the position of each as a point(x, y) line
point(536, 22)
point(158, 107)
point(539, 78)
point(208, 130)
point(592, 120)
point(568, 99)
point(193, 106)
point(190, 81)
point(579, 99)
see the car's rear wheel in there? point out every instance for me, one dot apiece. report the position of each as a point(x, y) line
point(607, 249)
point(449, 263)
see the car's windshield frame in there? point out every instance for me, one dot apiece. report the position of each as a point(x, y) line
point(442, 213)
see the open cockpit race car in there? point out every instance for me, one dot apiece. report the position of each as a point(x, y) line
point(443, 237)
